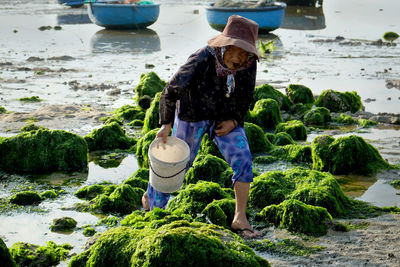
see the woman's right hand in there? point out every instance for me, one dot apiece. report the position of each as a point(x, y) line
point(164, 132)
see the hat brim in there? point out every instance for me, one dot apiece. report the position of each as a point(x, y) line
point(222, 40)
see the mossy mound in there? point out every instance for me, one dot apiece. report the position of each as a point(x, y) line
point(364, 123)
point(294, 128)
point(348, 154)
point(318, 116)
point(220, 212)
point(339, 102)
point(293, 153)
point(128, 113)
point(2, 110)
point(26, 198)
point(266, 114)
point(299, 94)
point(137, 182)
point(63, 224)
point(195, 197)
point(282, 139)
point(346, 119)
point(110, 136)
point(209, 168)
point(26, 254)
point(31, 99)
point(298, 217)
point(150, 84)
point(267, 91)
point(136, 123)
point(256, 138)
point(299, 110)
point(124, 199)
point(177, 244)
point(5, 256)
point(89, 231)
point(390, 36)
point(49, 194)
point(142, 148)
point(209, 147)
point(151, 119)
point(43, 151)
point(144, 102)
point(91, 191)
point(31, 127)
point(309, 186)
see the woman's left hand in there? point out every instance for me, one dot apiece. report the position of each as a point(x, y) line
point(225, 127)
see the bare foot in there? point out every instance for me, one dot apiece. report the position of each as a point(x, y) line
point(145, 202)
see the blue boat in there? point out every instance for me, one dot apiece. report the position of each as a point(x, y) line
point(72, 3)
point(269, 17)
point(123, 16)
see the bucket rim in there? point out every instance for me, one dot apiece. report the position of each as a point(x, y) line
point(159, 139)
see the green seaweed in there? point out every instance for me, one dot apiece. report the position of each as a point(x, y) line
point(346, 119)
point(265, 91)
point(339, 102)
point(31, 99)
point(266, 114)
point(318, 116)
point(63, 224)
point(26, 198)
point(294, 128)
point(128, 113)
point(299, 94)
point(256, 138)
point(282, 139)
point(89, 192)
point(151, 119)
point(5, 256)
point(220, 212)
point(142, 148)
point(294, 153)
point(150, 84)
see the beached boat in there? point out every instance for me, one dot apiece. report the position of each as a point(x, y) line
point(72, 3)
point(268, 17)
point(123, 16)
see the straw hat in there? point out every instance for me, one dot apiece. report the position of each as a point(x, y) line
point(240, 32)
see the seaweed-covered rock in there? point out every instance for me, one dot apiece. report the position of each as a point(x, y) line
point(256, 138)
point(129, 113)
point(339, 102)
point(152, 117)
point(265, 114)
point(2, 110)
point(142, 148)
point(297, 216)
point(318, 116)
point(150, 84)
point(26, 198)
point(63, 224)
point(309, 186)
point(346, 119)
point(209, 168)
point(49, 194)
point(5, 256)
point(30, 127)
point(144, 101)
point(26, 254)
point(91, 191)
point(137, 182)
point(176, 244)
point(293, 153)
point(282, 139)
point(209, 147)
point(348, 154)
point(110, 136)
point(43, 151)
point(267, 91)
point(195, 197)
point(364, 123)
point(89, 231)
point(299, 94)
point(220, 212)
point(295, 128)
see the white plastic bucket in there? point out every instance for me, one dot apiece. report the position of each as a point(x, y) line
point(167, 163)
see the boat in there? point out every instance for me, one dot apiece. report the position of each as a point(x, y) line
point(268, 17)
point(304, 18)
point(123, 16)
point(72, 3)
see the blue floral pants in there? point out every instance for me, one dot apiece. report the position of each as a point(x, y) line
point(233, 146)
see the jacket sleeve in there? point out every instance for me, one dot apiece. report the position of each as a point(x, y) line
point(175, 88)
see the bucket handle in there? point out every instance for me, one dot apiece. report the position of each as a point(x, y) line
point(166, 177)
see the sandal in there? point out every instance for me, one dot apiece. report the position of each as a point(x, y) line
point(241, 232)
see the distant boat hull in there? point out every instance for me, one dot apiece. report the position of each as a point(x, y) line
point(269, 18)
point(72, 3)
point(123, 16)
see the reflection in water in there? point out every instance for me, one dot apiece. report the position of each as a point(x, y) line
point(73, 19)
point(114, 41)
point(304, 18)
point(355, 185)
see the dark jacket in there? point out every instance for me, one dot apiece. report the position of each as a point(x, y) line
point(202, 93)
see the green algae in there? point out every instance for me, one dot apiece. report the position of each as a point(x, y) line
point(294, 128)
point(179, 243)
point(26, 254)
point(282, 139)
point(318, 116)
point(2, 110)
point(346, 119)
point(390, 36)
point(209, 168)
point(5, 256)
point(396, 184)
point(136, 123)
point(299, 110)
point(151, 119)
point(139, 178)
point(110, 136)
point(26, 198)
point(220, 212)
point(31, 99)
point(128, 113)
point(256, 138)
point(209, 147)
point(195, 197)
point(339, 102)
point(364, 123)
point(31, 127)
point(298, 217)
point(43, 151)
point(89, 231)
point(267, 91)
point(108, 160)
point(63, 224)
point(144, 102)
point(142, 148)
point(266, 114)
point(293, 153)
point(49, 194)
point(89, 192)
point(348, 154)
point(299, 94)
point(150, 84)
